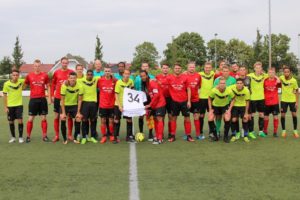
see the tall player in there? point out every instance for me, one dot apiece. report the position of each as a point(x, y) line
point(38, 105)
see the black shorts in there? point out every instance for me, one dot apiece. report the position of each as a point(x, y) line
point(257, 106)
point(195, 107)
point(238, 111)
point(106, 112)
point(274, 110)
point(37, 106)
point(118, 114)
point(71, 111)
point(56, 105)
point(168, 105)
point(89, 110)
point(203, 106)
point(178, 107)
point(15, 112)
point(220, 110)
point(284, 107)
point(159, 112)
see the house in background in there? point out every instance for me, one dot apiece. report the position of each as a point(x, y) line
point(27, 68)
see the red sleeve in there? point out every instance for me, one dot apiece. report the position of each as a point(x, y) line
point(187, 82)
point(27, 80)
point(53, 84)
point(155, 98)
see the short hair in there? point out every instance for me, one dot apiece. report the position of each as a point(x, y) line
point(37, 61)
point(72, 74)
point(225, 67)
point(239, 79)
point(257, 63)
point(107, 67)
point(78, 65)
point(64, 58)
point(122, 63)
point(207, 63)
point(89, 71)
point(15, 70)
point(128, 70)
point(144, 71)
point(222, 79)
point(177, 64)
point(272, 69)
point(286, 67)
point(191, 63)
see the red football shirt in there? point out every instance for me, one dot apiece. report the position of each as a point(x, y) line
point(178, 87)
point(164, 84)
point(37, 84)
point(156, 95)
point(234, 74)
point(271, 91)
point(106, 92)
point(59, 77)
point(194, 81)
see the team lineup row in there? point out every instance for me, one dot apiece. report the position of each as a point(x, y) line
point(229, 94)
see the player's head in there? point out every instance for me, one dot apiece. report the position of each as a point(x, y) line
point(222, 83)
point(64, 62)
point(165, 68)
point(235, 67)
point(72, 78)
point(79, 69)
point(37, 65)
point(191, 67)
point(221, 64)
point(177, 69)
point(286, 71)
point(98, 65)
point(121, 67)
point(239, 83)
point(272, 72)
point(144, 75)
point(145, 66)
point(89, 75)
point(207, 67)
point(225, 71)
point(15, 75)
point(126, 74)
point(258, 67)
point(107, 71)
point(243, 71)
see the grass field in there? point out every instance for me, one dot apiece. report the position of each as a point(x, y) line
point(263, 169)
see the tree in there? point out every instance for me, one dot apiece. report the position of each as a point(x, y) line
point(98, 49)
point(186, 47)
point(145, 52)
point(17, 54)
point(6, 65)
point(221, 50)
point(258, 47)
point(238, 51)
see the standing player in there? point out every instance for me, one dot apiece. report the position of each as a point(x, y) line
point(220, 107)
point(38, 105)
point(164, 84)
point(240, 109)
point(106, 87)
point(71, 100)
point(59, 77)
point(89, 107)
point(125, 82)
point(157, 105)
point(13, 104)
point(218, 72)
point(79, 73)
point(98, 72)
point(234, 72)
point(207, 84)
point(257, 97)
point(181, 101)
point(289, 98)
point(271, 85)
point(194, 81)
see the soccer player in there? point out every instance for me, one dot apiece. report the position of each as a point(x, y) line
point(79, 73)
point(194, 81)
point(71, 101)
point(271, 85)
point(98, 72)
point(125, 82)
point(234, 72)
point(13, 104)
point(218, 72)
point(207, 84)
point(243, 75)
point(289, 98)
point(139, 87)
point(181, 101)
point(59, 77)
point(38, 104)
point(257, 102)
point(89, 107)
point(106, 87)
point(164, 84)
point(121, 67)
point(220, 106)
point(240, 109)
point(157, 105)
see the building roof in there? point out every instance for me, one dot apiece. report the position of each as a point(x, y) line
point(27, 68)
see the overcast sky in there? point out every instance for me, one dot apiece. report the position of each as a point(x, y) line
point(49, 29)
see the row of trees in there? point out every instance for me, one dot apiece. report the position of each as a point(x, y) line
point(191, 46)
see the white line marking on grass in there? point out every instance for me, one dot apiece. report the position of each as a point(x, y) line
point(133, 174)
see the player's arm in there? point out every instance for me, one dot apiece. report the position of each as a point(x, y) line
point(155, 98)
point(53, 86)
point(5, 102)
point(63, 109)
point(78, 115)
point(210, 99)
point(189, 97)
point(297, 98)
point(231, 105)
point(118, 102)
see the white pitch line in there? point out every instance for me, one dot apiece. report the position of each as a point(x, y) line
point(133, 174)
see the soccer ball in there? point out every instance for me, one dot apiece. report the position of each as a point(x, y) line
point(139, 137)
